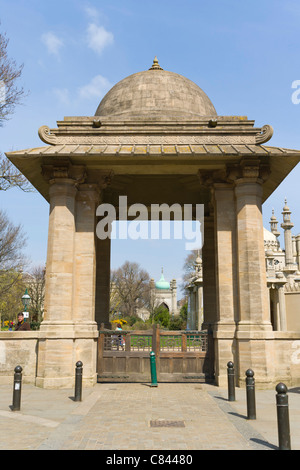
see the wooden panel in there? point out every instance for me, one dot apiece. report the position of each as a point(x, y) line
point(180, 356)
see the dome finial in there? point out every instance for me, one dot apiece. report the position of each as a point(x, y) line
point(155, 65)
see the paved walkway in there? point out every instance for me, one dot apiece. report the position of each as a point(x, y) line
point(139, 417)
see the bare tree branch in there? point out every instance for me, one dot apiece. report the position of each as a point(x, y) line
point(11, 177)
point(131, 284)
point(10, 96)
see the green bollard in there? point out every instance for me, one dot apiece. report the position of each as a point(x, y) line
point(153, 369)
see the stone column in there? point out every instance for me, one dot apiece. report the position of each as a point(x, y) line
point(227, 314)
point(253, 294)
point(57, 326)
point(174, 297)
point(209, 274)
point(103, 282)
point(298, 251)
point(282, 309)
point(59, 267)
point(85, 257)
point(191, 308)
point(287, 226)
point(254, 327)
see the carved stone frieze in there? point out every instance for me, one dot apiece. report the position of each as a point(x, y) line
point(141, 139)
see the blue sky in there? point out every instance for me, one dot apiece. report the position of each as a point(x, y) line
point(244, 55)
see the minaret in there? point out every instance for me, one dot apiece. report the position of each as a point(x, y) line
point(273, 223)
point(287, 225)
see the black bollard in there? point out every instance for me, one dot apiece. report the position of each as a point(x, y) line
point(250, 394)
point(16, 405)
point(283, 422)
point(231, 381)
point(78, 381)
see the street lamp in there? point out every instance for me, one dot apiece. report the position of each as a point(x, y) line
point(26, 301)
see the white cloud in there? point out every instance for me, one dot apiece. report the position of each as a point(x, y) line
point(97, 88)
point(92, 12)
point(52, 42)
point(63, 95)
point(98, 38)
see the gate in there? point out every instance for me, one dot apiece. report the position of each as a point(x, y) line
point(181, 356)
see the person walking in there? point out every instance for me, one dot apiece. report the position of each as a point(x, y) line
point(121, 338)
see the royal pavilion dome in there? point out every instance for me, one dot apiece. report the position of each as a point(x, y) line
point(162, 283)
point(156, 94)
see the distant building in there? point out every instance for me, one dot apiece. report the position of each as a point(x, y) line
point(162, 293)
point(283, 278)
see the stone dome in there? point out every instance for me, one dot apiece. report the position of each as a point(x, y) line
point(269, 236)
point(156, 94)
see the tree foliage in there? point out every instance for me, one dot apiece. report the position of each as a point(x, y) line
point(12, 263)
point(12, 260)
point(131, 283)
point(35, 283)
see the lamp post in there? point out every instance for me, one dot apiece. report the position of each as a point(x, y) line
point(26, 301)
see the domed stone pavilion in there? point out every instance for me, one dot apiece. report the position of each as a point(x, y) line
point(156, 138)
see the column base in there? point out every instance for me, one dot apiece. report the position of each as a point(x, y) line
point(225, 349)
point(61, 345)
point(248, 346)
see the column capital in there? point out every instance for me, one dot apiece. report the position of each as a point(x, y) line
point(64, 172)
point(248, 171)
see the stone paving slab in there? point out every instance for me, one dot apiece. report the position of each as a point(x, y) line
point(118, 416)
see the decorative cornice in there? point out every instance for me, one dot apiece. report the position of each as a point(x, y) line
point(230, 130)
point(46, 136)
point(265, 134)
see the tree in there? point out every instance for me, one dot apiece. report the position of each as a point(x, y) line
point(10, 96)
point(12, 260)
point(162, 316)
point(11, 299)
point(131, 284)
point(189, 269)
point(35, 283)
point(10, 177)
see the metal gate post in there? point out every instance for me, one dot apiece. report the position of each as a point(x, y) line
point(153, 369)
